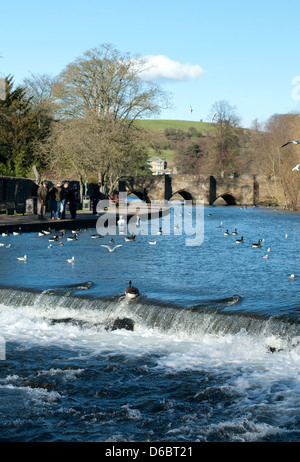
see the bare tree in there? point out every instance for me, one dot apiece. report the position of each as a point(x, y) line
point(275, 163)
point(105, 83)
point(225, 142)
point(104, 149)
point(39, 88)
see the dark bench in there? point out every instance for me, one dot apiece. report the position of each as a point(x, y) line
point(11, 206)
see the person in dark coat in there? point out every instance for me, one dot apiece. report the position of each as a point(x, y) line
point(55, 196)
point(42, 196)
point(64, 200)
point(73, 199)
point(96, 197)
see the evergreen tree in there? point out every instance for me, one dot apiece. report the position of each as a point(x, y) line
point(21, 129)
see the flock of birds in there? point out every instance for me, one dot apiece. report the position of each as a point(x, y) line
point(53, 236)
point(255, 245)
point(132, 292)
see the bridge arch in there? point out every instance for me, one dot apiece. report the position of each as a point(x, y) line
point(228, 198)
point(140, 195)
point(186, 195)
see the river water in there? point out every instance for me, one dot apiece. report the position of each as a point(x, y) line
point(213, 356)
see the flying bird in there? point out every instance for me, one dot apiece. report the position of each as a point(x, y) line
point(296, 168)
point(290, 142)
point(214, 115)
point(111, 249)
point(191, 109)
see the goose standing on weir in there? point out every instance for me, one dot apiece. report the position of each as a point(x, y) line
point(131, 292)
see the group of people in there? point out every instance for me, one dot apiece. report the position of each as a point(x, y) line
point(59, 196)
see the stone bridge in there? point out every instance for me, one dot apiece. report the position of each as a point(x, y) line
point(235, 190)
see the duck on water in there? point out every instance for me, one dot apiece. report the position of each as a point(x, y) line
point(131, 292)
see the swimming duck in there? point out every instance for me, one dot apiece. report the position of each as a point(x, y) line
point(226, 233)
point(53, 239)
point(17, 233)
point(132, 292)
point(234, 232)
point(130, 238)
point(257, 245)
point(160, 231)
point(73, 238)
point(240, 241)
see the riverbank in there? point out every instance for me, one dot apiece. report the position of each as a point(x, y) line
point(30, 222)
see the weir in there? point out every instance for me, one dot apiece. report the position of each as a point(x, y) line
point(213, 317)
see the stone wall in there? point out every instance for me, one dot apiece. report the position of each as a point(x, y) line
point(17, 189)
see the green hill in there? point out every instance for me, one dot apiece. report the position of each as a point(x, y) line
point(161, 125)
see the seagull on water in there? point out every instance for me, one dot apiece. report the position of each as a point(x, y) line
point(111, 249)
point(296, 168)
point(290, 142)
point(291, 277)
point(71, 260)
point(22, 258)
point(152, 242)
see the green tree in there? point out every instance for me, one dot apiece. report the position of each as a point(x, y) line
point(20, 131)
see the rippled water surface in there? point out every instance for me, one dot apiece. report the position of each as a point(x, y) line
point(214, 352)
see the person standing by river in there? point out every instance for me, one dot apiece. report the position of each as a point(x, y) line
point(55, 196)
point(64, 200)
point(42, 196)
point(73, 199)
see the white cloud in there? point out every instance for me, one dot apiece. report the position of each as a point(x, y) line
point(163, 68)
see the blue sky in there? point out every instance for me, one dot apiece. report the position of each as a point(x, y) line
point(244, 52)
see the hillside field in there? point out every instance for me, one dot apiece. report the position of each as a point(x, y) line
point(159, 126)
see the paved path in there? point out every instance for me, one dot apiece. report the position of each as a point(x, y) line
point(31, 223)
